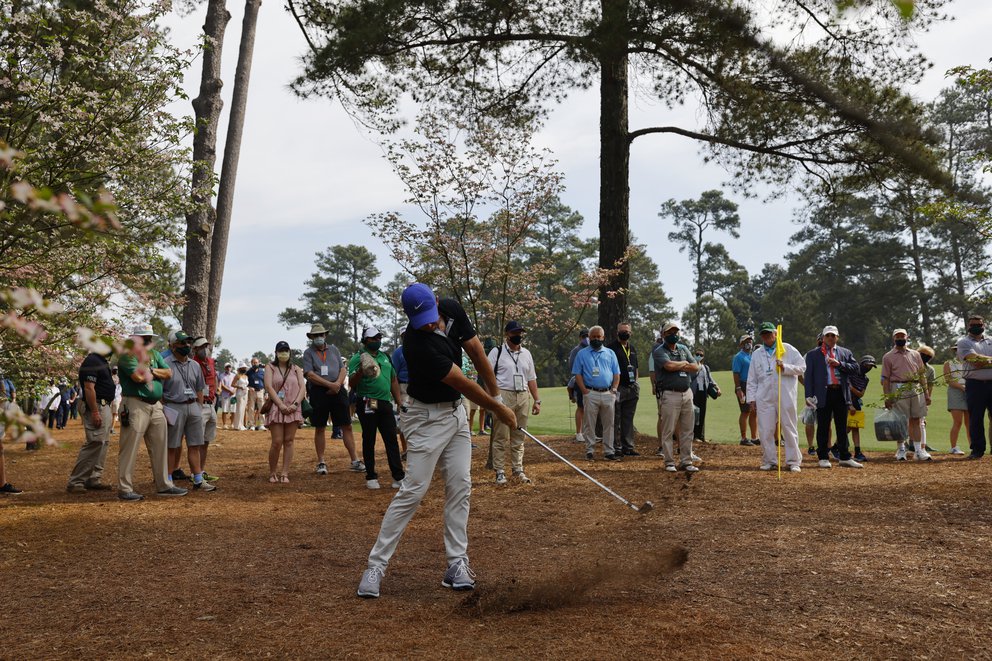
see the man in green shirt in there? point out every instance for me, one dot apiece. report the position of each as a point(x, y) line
point(372, 378)
point(142, 371)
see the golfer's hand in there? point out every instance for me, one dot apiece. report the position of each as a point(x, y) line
point(536, 410)
point(506, 416)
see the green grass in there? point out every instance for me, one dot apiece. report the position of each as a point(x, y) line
point(558, 415)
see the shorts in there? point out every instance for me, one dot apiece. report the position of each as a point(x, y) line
point(226, 406)
point(745, 407)
point(911, 404)
point(856, 420)
point(189, 424)
point(326, 405)
point(956, 400)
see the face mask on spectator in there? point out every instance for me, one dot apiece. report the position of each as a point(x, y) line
point(900, 343)
point(976, 329)
point(373, 346)
point(623, 335)
point(595, 344)
point(283, 356)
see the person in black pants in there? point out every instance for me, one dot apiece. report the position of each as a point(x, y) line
point(701, 386)
point(826, 381)
point(975, 350)
point(372, 378)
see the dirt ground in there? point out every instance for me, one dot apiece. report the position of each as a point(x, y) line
point(887, 562)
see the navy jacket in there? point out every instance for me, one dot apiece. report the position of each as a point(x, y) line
point(816, 374)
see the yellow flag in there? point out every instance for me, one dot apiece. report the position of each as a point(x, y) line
point(779, 347)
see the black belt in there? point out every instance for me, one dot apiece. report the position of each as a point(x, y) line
point(833, 386)
point(600, 389)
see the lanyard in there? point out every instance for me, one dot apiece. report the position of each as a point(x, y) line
point(285, 375)
point(183, 373)
point(626, 351)
point(516, 361)
point(322, 354)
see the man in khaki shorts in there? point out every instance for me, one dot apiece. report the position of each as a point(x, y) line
point(904, 382)
point(142, 371)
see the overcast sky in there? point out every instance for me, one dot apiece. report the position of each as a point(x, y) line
point(308, 176)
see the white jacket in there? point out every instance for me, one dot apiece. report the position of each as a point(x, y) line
point(762, 378)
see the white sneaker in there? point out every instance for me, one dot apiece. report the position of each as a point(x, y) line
point(369, 585)
point(579, 438)
point(795, 469)
point(521, 477)
point(901, 453)
point(767, 467)
point(671, 468)
point(850, 463)
point(500, 477)
point(923, 455)
point(395, 485)
point(695, 457)
point(824, 463)
point(689, 468)
point(372, 484)
point(957, 451)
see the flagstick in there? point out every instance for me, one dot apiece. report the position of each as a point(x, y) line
point(778, 430)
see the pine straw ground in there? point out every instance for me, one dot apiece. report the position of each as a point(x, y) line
point(888, 562)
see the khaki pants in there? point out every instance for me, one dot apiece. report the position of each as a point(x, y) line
point(599, 406)
point(675, 409)
point(436, 434)
point(93, 454)
point(255, 400)
point(148, 422)
point(503, 435)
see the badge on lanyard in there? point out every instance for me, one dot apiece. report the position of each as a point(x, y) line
point(189, 393)
point(323, 370)
point(518, 381)
point(631, 376)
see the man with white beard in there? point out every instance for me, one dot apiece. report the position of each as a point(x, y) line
point(763, 397)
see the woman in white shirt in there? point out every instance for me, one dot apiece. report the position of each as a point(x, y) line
point(241, 395)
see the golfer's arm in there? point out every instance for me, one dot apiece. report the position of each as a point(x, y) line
point(477, 354)
point(457, 380)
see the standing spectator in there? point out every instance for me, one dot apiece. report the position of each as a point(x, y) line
point(256, 395)
point(957, 404)
point(653, 378)
point(115, 406)
point(975, 351)
point(98, 394)
point(65, 393)
point(74, 392)
point(208, 368)
point(856, 416)
point(628, 392)
point(437, 432)
point(597, 376)
point(769, 378)
point(403, 376)
point(182, 394)
point(740, 367)
point(675, 368)
point(811, 427)
point(7, 397)
point(325, 373)
point(241, 397)
point(227, 393)
point(827, 371)
point(702, 387)
point(468, 369)
point(372, 378)
point(285, 387)
point(904, 383)
point(142, 372)
point(574, 394)
point(926, 355)
point(52, 403)
point(516, 378)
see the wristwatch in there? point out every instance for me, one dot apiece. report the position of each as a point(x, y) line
point(537, 401)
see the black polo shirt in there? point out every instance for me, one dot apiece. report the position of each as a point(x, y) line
point(96, 370)
point(624, 363)
point(429, 357)
point(458, 326)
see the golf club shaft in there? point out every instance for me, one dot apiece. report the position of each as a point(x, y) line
point(582, 472)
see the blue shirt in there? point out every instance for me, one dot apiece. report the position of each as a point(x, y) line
point(596, 367)
point(742, 364)
point(399, 364)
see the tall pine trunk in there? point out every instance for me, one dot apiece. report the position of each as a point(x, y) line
point(614, 163)
point(200, 220)
point(921, 285)
point(232, 152)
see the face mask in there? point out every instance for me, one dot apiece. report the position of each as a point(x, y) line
point(148, 341)
point(283, 356)
point(866, 368)
point(584, 341)
point(624, 336)
point(373, 346)
point(183, 351)
point(900, 343)
point(201, 352)
point(748, 346)
point(515, 339)
point(699, 356)
point(976, 329)
point(672, 339)
point(319, 342)
point(596, 344)
point(926, 359)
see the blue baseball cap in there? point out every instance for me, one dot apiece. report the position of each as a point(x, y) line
point(420, 305)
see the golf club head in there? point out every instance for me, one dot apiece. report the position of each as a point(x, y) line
point(646, 507)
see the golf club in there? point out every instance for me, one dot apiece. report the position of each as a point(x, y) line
point(643, 509)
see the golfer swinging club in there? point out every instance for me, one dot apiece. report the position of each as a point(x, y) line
point(436, 430)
